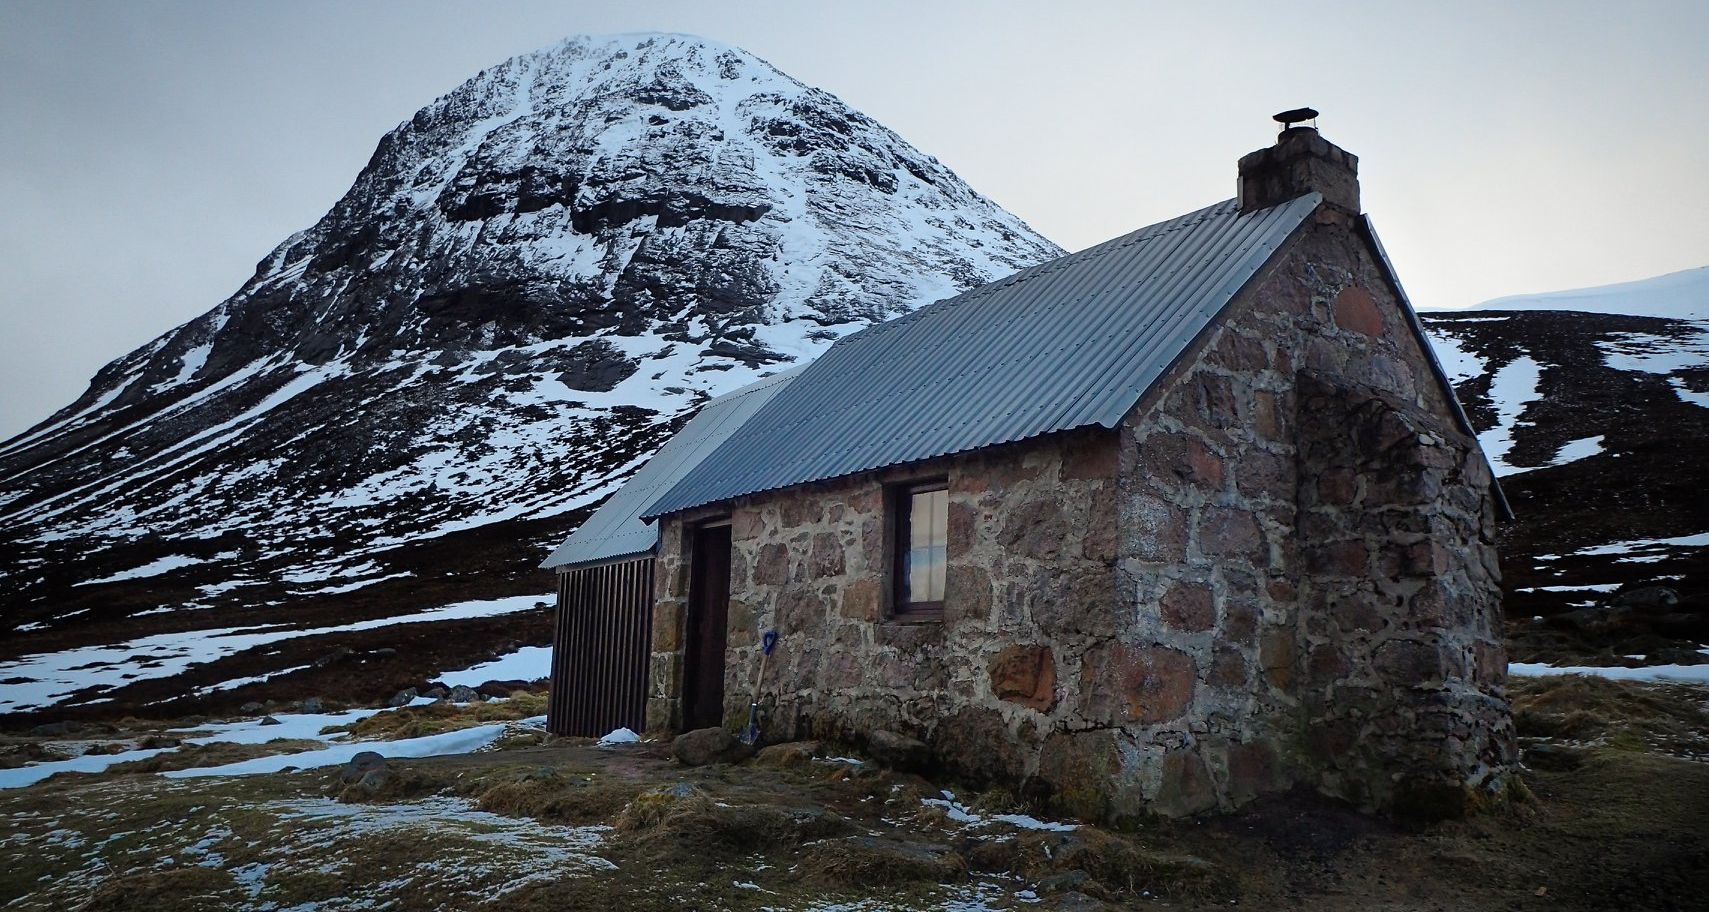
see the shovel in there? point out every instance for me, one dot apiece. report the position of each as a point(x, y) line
point(752, 732)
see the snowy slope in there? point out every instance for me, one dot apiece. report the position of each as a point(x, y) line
point(1593, 406)
point(532, 282)
point(1682, 295)
point(1656, 327)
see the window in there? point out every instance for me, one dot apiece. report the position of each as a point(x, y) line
point(921, 549)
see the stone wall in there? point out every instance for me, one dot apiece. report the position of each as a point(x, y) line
point(1278, 570)
point(1030, 588)
point(1328, 598)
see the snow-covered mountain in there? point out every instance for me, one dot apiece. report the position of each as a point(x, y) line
point(532, 282)
point(1682, 295)
point(1594, 409)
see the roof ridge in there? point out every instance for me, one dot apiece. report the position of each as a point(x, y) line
point(1037, 357)
point(1150, 232)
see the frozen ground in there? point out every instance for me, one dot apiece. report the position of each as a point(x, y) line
point(1612, 820)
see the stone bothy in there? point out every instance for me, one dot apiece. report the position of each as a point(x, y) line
point(1183, 519)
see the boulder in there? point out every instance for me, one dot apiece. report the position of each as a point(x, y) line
point(501, 689)
point(1648, 598)
point(897, 751)
point(436, 692)
point(1066, 882)
point(1599, 619)
point(269, 720)
point(360, 766)
point(463, 693)
point(403, 697)
point(251, 708)
point(311, 705)
point(333, 657)
point(709, 745)
point(374, 780)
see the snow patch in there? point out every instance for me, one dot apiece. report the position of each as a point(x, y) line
point(1574, 450)
point(1690, 674)
point(50, 678)
point(959, 813)
point(1512, 388)
point(462, 741)
point(158, 566)
point(529, 663)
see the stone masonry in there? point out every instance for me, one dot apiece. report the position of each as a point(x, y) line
point(1277, 571)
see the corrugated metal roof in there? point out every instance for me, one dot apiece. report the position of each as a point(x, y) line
point(616, 530)
point(1070, 343)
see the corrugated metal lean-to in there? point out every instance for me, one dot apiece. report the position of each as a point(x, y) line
point(1071, 343)
point(616, 529)
point(601, 645)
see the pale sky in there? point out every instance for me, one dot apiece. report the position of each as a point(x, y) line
point(152, 153)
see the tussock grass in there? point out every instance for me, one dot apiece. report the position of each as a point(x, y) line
point(394, 785)
point(558, 797)
point(1120, 865)
point(187, 889)
point(862, 862)
point(663, 823)
point(16, 755)
point(1624, 715)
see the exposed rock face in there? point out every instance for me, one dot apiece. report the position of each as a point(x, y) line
point(531, 284)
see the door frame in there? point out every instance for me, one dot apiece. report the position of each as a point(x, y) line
point(706, 626)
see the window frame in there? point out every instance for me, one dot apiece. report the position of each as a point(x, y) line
point(900, 541)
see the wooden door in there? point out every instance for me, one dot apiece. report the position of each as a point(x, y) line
point(708, 614)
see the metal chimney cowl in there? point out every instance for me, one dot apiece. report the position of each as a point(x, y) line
point(1300, 162)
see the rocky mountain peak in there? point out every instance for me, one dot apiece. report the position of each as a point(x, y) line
point(533, 280)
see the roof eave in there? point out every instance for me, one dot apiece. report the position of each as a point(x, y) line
point(1504, 509)
point(624, 558)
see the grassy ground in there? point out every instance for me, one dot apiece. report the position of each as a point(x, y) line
point(1619, 819)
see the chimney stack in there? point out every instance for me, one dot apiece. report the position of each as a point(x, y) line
point(1300, 162)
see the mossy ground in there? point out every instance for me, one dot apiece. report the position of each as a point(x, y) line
point(566, 826)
